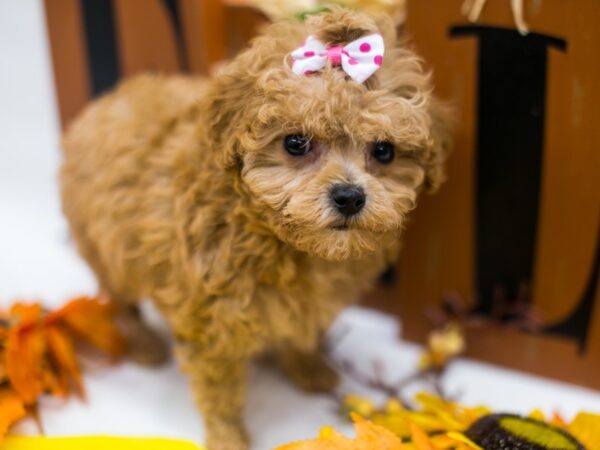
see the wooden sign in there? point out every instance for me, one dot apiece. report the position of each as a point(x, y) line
point(94, 43)
point(514, 233)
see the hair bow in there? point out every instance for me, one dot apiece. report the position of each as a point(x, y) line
point(359, 59)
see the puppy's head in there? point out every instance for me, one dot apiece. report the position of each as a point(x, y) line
point(336, 164)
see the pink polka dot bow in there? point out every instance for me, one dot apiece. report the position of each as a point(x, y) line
point(359, 59)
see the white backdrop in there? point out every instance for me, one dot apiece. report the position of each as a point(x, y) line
point(37, 261)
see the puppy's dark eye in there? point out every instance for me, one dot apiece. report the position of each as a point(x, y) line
point(297, 145)
point(384, 152)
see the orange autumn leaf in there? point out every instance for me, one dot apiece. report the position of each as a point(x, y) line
point(368, 436)
point(11, 409)
point(63, 355)
point(27, 314)
point(37, 352)
point(92, 321)
point(24, 361)
point(51, 382)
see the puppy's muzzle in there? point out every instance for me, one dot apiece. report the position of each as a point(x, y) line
point(348, 199)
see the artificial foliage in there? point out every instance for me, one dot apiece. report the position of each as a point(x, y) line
point(434, 422)
point(368, 436)
point(437, 424)
point(40, 352)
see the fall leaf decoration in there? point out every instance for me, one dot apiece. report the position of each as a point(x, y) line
point(12, 409)
point(434, 422)
point(37, 352)
point(438, 424)
point(443, 344)
point(435, 425)
point(368, 436)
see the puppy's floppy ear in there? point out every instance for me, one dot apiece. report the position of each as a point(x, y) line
point(405, 75)
point(234, 97)
point(226, 106)
point(442, 124)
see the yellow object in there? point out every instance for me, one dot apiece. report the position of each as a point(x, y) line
point(537, 433)
point(438, 424)
point(586, 428)
point(537, 415)
point(459, 437)
point(442, 345)
point(362, 406)
point(94, 443)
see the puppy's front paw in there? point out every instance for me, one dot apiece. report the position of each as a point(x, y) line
point(309, 372)
point(224, 435)
point(145, 346)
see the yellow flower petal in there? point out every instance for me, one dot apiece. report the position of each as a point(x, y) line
point(537, 415)
point(396, 423)
point(362, 406)
point(426, 421)
point(394, 406)
point(326, 432)
point(586, 428)
point(464, 439)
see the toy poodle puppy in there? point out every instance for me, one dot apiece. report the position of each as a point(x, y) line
point(252, 207)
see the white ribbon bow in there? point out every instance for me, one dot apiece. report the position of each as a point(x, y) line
point(359, 59)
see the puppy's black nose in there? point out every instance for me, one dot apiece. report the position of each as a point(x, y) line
point(348, 198)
